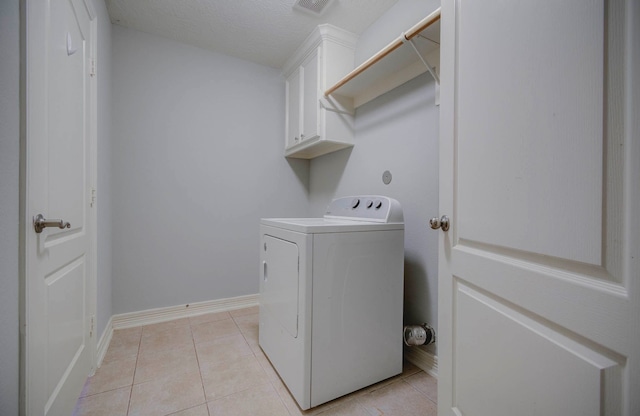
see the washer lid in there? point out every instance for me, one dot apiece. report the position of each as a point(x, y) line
point(328, 225)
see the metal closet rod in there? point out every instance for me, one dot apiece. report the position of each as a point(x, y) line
point(408, 35)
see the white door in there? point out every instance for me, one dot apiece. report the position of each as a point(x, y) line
point(59, 287)
point(539, 281)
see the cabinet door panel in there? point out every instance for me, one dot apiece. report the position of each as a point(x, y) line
point(310, 103)
point(293, 108)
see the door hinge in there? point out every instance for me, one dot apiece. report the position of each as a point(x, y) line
point(92, 198)
point(92, 69)
point(91, 327)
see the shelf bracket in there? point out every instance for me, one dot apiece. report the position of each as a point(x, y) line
point(424, 60)
point(328, 104)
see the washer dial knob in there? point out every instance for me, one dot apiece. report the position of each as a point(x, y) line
point(355, 203)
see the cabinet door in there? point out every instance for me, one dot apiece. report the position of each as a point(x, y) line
point(293, 109)
point(310, 102)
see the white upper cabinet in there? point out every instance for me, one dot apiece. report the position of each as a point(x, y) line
point(316, 125)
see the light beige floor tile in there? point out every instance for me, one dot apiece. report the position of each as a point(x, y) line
point(247, 323)
point(409, 369)
point(266, 366)
point(379, 385)
point(292, 406)
point(126, 334)
point(255, 348)
point(348, 408)
point(239, 381)
point(164, 326)
point(425, 384)
point(397, 399)
point(171, 338)
point(262, 400)
point(209, 317)
point(110, 376)
point(124, 343)
point(245, 311)
point(222, 349)
point(167, 395)
point(232, 376)
point(110, 403)
point(252, 340)
point(194, 411)
point(153, 364)
point(209, 331)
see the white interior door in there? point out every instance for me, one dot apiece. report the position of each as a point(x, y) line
point(539, 281)
point(59, 286)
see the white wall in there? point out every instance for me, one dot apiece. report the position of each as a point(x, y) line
point(397, 132)
point(197, 160)
point(9, 204)
point(104, 195)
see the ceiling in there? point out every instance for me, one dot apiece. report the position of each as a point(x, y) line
point(263, 31)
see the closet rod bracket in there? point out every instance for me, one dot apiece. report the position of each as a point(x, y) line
point(329, 105)
point(424, 60)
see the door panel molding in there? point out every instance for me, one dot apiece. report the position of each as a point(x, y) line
point(552, 355)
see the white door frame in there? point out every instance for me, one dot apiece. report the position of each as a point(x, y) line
point(29, 58)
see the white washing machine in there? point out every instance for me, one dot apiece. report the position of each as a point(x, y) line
point(331, 293)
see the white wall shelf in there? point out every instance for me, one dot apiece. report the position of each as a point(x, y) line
point(393, 65)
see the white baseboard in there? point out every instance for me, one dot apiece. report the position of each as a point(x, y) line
point(153, 316)
point(423, 359)
point(103, 342)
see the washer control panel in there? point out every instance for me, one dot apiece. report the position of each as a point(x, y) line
point(373, 208)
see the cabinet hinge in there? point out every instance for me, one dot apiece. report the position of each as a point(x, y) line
point(91, 327)
point(92, 198)
point(92, 68)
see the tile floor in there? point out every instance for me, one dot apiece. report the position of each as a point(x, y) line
point(212, 365)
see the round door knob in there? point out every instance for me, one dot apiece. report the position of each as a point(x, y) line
point(442, 222)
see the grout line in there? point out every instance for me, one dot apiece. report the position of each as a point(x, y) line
point(135, 368)
point(130, 394)
point(280, 396)
point(204, 393)
point(189, 408)
point(364, 407)
point(416, 389)
point(420, 392)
